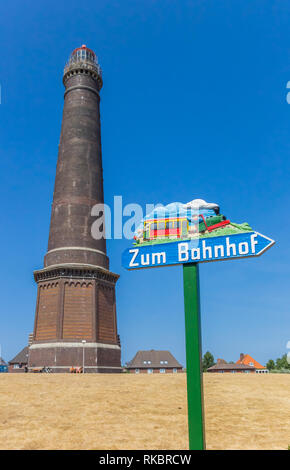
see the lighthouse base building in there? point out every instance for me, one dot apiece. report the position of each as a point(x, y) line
point(75, 321)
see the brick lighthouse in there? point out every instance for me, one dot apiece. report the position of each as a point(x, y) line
point(75, 319)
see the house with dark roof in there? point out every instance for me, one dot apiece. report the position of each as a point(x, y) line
point(223, 367)
point(19, 362)
point(152, 362)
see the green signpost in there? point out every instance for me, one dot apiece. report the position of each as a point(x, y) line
point(189, 234)
point(193, 357)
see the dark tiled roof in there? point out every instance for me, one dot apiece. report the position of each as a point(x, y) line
point(21, 357)
point(2, 362)
point(155, 359)
point(224, 366)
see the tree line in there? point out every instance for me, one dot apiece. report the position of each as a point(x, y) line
point(280, 363)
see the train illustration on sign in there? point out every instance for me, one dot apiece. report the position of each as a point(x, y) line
point(195, 219)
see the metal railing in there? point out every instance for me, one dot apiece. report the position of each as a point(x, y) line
point(86, 62)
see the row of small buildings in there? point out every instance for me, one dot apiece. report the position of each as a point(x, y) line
point(164, 362)
point(152, 362)
point(149, 362)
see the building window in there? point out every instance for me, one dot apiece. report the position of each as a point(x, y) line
point(16, 366)
point(162, 371)
point(174, 371)
point(251, 363)
point(148, 362)
point(149, 371)
point(145, 362)
point(165, 362)
point(137, 371)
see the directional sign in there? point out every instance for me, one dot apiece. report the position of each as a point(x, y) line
point(189, 234)
point(198, 250)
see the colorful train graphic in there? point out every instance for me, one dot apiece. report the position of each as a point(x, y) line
point(195, 219)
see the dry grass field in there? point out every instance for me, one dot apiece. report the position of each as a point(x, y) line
point(46, 411)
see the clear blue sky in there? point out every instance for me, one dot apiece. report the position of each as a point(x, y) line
point(193, 106)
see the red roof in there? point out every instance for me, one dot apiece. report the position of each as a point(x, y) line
point(248, 360)
point(83, 47)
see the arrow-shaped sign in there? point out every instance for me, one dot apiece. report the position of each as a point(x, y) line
point(197, 250)
point(150, 251)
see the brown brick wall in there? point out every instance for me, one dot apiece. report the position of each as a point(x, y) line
point(106, 315)
point(11, 370)
point(78, 311)
point(227, 371)
point(46, 324)
point(73, 356)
